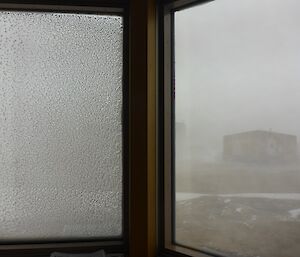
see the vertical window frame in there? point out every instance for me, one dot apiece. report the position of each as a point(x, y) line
point(109, 244)
point(166, 151)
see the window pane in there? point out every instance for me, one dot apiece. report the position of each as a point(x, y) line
point(236, 125)
point(60, 126)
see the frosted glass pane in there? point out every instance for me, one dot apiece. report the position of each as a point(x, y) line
point(60, 126)
point(237, 127)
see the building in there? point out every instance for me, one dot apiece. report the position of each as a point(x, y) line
point(260, 147)
point(180, 139)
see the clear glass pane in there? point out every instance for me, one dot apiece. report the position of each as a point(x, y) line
point(237, 127)
point(60, 126)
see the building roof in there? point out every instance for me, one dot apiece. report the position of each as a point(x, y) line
point(260, 132)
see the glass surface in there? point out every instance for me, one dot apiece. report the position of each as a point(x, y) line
point(237, 127)
point(60, 126)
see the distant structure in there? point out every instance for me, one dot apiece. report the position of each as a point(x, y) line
point(180, 139)
point(260, 147)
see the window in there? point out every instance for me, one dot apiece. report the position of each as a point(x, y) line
point(230, 128)
point(63, 127)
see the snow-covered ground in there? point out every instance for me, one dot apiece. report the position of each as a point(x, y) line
point(182, 196)
point(295, 213)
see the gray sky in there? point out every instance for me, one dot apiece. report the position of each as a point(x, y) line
point(237, 69)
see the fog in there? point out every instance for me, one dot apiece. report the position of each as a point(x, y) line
point(237, 69)
point(237, 115)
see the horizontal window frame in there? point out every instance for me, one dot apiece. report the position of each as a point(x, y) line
point(109, 244)
point(76, 9)
point(177, 5)
point(166, 184)
point(70, 3)
point(45, 249)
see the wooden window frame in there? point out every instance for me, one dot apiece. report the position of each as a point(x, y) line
point(140, 75)
point(142, 225)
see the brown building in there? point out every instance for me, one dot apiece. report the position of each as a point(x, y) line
point(260, 147)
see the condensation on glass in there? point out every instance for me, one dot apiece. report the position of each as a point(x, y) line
point(237, 127)
point(60, 126)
